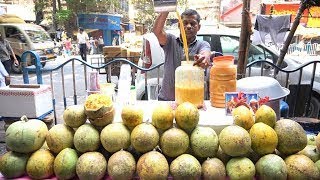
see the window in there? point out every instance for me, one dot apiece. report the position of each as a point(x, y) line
point(38, 35)
point(204, 38)
point(230, 46)
point(11, 31)
point(14, 34)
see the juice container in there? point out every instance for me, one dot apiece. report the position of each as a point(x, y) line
point(189, 84)
point(223, 77)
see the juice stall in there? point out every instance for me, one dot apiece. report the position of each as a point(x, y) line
point(109, 137)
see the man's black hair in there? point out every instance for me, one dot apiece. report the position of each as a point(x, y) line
point(81, 28)
point(191, 12)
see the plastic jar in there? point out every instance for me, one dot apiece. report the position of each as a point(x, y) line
point(223, 78)
point(189, 84)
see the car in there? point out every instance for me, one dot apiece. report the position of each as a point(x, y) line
point(25, 36)
point(226, 41)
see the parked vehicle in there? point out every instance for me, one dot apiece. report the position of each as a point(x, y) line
point(25, 36)
point(226, 41)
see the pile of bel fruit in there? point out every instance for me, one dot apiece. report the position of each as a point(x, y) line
point(257, 145)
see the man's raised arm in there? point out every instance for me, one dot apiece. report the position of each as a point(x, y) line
point(158, 28)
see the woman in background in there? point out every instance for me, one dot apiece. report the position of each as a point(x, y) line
point(68, 45)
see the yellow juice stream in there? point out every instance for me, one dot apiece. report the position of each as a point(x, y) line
point(184, 37)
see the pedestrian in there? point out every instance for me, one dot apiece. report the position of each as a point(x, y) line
point(101, 44)
point(115, 41)
point(68, 46)
point(64, 35)
point(82, 39)
point(58, 35)
point(96, 44)
point(5, 52)
point(4, 76)
point(173, 49)
point(93, 47)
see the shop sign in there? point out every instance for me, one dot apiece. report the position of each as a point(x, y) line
point(284, 9)
point(114, 23)
point(97, 21)
point(314, 19)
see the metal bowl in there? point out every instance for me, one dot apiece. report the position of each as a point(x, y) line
point(264, 86)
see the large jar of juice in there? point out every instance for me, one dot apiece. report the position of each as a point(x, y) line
point(223, 77)
point(189, 84)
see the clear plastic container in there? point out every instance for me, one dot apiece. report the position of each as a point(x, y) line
point(124, 85)
point(223, 78)
point(189, 84)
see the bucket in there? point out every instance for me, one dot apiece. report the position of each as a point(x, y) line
point(165, 5)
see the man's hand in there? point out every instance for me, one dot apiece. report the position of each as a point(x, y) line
point(16, 62)
point(201, 60)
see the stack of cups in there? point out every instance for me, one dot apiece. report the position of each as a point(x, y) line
point(94, 86)
point(223, 78)
point(124, 85)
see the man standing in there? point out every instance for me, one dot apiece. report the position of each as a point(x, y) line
point(101, 44)
point(82, 38)
point(173, 49)
point(5, 52)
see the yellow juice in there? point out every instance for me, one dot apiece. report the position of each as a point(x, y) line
point(183, 36)
point(194, 95)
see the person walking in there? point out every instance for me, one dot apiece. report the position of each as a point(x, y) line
point(101, 44)
point(96, 44)
point(5, 53)
point(67, 45)
point(82, 39)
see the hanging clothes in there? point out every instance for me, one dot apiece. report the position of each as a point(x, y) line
point(276, 26)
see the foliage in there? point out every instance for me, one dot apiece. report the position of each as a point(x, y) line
point(98, 6)
point(39, 5)
point(146, 13)
point(63, 16)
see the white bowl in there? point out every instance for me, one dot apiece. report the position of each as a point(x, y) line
point(263, 85)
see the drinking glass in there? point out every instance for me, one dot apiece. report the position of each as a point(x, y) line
point(153, 91)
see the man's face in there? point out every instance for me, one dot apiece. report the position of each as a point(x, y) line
point(191, 25)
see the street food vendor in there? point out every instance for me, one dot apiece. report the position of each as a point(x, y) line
point(173, 49)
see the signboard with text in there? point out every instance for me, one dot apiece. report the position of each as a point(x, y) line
point(98, 21)
point(284, 9)
point(310, 17)
point(314, 21)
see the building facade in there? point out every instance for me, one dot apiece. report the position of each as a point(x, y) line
point(22, 8)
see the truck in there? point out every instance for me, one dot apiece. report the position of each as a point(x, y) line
point(24, 36)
